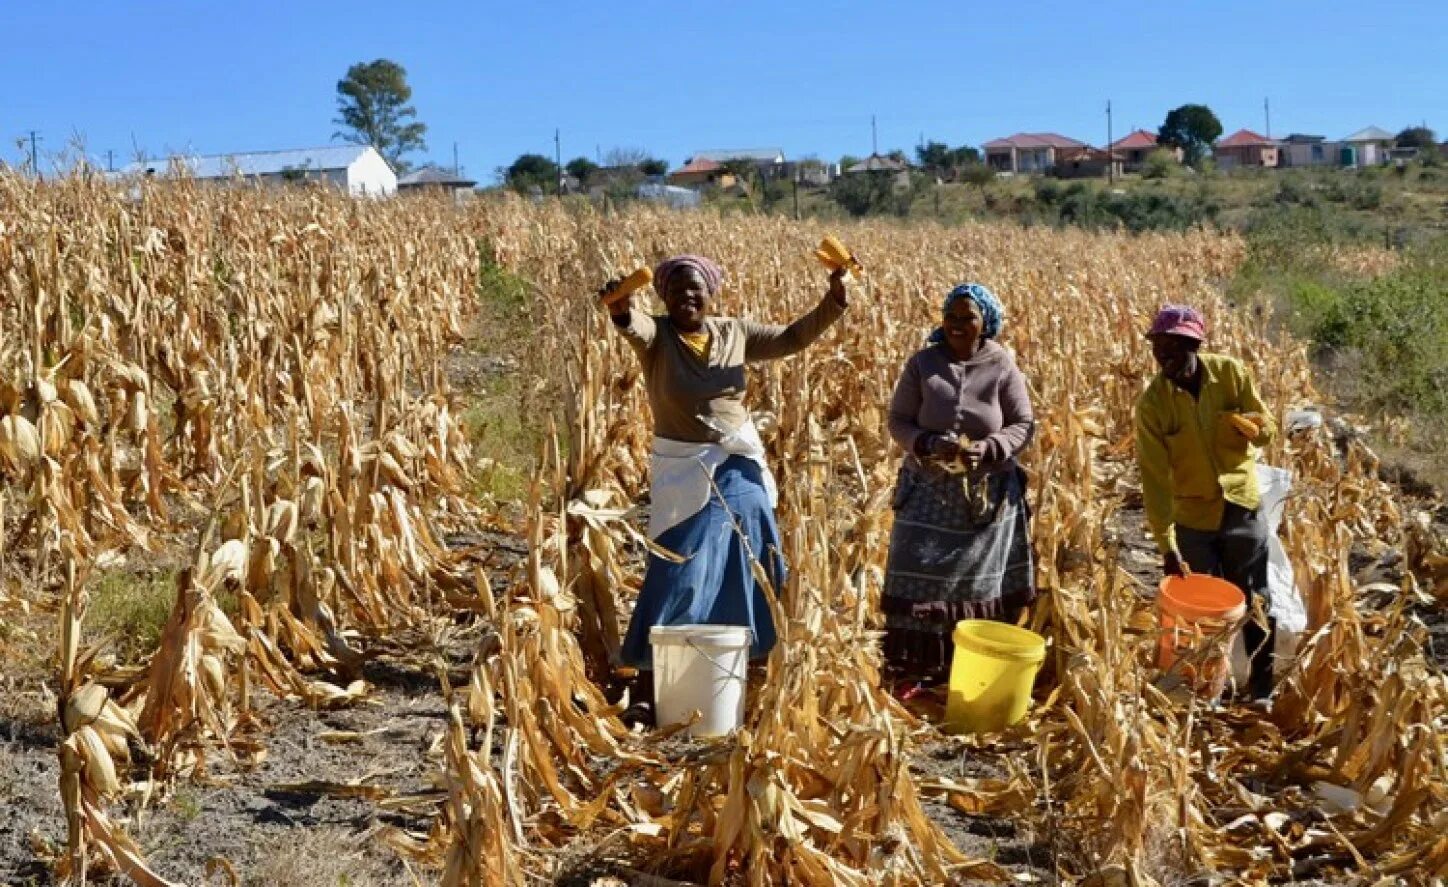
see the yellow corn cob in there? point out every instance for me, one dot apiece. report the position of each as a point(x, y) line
point(1245, 427)
point(833, 255)
point(635, 281)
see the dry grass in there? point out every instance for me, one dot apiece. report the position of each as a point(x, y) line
point(324, 857)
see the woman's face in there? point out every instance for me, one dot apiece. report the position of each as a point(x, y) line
point(687, 299)
point(963, 325)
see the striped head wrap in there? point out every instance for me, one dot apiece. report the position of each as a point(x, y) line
point(992, 313)
point(712, 274)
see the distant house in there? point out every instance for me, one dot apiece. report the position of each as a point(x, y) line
point(878, 163)
point(357, 169)
point(435, 178)
point(1136, 147)
point(699, 171)
point(1369, 147)
point(1246, 148)
point(1299, 150)
point(669, 195)
point(816, 174)
point(1028, 152)
point(770, 162)
point(1087, 163)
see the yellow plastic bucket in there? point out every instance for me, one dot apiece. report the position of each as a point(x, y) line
point(991, 675)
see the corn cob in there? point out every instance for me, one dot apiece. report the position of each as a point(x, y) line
point(1245, 427)
point(833, 255)
point(626, 287)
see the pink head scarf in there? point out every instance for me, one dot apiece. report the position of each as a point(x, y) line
point(712, 274)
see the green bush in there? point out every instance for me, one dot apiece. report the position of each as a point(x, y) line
point(1161, 164)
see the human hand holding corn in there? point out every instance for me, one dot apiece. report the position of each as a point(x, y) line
point(617, 294)
point(834, 256)
point(1249, 425)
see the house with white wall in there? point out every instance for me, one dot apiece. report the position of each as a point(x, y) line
point(357, 169)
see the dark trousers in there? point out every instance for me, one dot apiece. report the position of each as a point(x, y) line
point(1237, 552)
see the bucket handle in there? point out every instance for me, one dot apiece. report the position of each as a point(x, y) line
point(712, 661)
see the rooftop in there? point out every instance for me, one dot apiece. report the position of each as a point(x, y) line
point(1246, 138)
point(879, 163)
point(253, 163)
point(434, 175)
point(699, 165)
point(1034, 140)
point(1136, 140)
point(1370, 134)
point(759, 155)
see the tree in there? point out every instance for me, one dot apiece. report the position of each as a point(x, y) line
point(1416, 137)
point(581, 168)
point(654, 167)
point(372, 105)
point(935, 157)
point(529, 171)
point(1193, 128)
point(621, 157)
point(964, 156)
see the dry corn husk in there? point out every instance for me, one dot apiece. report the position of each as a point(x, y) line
point(280, 359)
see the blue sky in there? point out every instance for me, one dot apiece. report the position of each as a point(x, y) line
point(674, 77)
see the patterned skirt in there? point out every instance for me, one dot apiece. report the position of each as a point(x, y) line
point(714, 585)
point(960, 549)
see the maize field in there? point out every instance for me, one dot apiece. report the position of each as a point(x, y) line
point(257, 382)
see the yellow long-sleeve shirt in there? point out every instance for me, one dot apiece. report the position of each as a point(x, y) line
point(1192, 460)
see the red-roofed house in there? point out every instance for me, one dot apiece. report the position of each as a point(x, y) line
point(699, 171)
point(1028, 152)
point(1136, 147)
point(1086, 163)
point(1246, 148)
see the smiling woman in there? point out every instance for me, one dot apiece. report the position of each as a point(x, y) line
point(960, 546)
point(721, 518)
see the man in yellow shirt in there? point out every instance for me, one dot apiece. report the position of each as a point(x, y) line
point(1197, 425)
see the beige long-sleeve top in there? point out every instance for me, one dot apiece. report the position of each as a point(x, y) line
point(686, 390)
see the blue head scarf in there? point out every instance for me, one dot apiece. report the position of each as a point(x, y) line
point(993, 316)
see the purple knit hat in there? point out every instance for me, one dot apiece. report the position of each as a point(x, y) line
point(1179, 320)
point(712, 274)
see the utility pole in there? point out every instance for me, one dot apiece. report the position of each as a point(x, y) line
point(34, 156)
point(457, 170)
point(874, 140)
point(1110, 154)
point(1267, 115)
point(558, 158)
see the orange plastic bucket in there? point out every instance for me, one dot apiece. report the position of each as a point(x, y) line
point(1199, 617)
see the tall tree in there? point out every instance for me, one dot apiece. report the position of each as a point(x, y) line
point(531, 170)
point(1416, 137)
point(372, 106)
point(581, 168)
point(935, 157)
point(1193, 128)
point(625, 156)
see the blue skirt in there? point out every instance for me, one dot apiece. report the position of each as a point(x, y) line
point(714, 585)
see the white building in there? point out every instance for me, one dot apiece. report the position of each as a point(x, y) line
point(358, 169)
point(1370, 146)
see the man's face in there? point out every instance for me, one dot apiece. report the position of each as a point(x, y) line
point(1176, 355)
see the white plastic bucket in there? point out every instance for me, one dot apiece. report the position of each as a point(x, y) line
point(700, 668)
